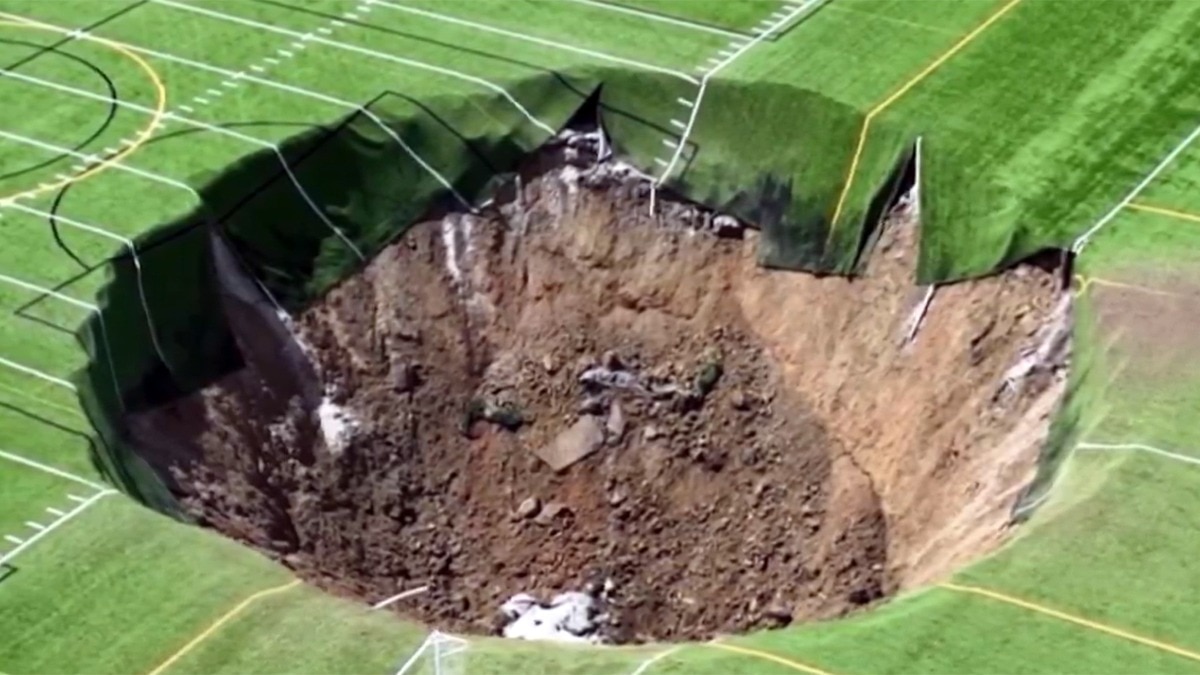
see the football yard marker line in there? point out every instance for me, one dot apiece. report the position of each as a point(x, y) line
point(738, 49)
point(47, 529)
point(896, 95)
point(36, 373)
point(230, 76)
point(362, 51)
point(1080, 243)
point(1186, 459)
point(1071, 618)
point(221, 621)
point(532, 39)
point(50, 470)
point(662, 18)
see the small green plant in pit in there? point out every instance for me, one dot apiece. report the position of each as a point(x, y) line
point(507, 415)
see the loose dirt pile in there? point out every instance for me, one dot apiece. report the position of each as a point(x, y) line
point(564, 390)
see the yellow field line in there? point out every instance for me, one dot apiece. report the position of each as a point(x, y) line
point(1085, 282)
point(904, 89)
point(1182, 215)
point(216, 625)
point(160, 108)
point(767, 656)
point(1077, 620)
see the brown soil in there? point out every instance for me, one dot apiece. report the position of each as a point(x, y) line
point(808, 463)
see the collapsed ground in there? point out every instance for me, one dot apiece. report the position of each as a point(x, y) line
point(565, 392)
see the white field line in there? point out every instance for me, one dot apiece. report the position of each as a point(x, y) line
point(1112, 447)
point(50, 470)
point(1082, 241)
point(14, 540)
point(90, 159)
point(128, 243)
point(83, 506)
point(535, 40)
point(718, 67)
point(36, 373)
point(149, 175)
point(645, 665)
point(434, 640)
point(650, 16)
point(412, 659)
point(1142, 448)
point(309, 37)
point(199, 125)
point(235, 75)
point(400, 596)
point(13, 281)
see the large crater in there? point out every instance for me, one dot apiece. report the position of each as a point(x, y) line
point(565, 389)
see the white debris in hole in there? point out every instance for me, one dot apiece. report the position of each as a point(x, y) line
point(449, 231)
point(290, 324)
point(338, 424)
point(569, 617)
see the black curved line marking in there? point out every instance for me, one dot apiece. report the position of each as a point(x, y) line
point(42, 50)
point(53, 220)
point(125, 255)
point(113, 97)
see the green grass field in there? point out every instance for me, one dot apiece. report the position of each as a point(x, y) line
point(1052, 114)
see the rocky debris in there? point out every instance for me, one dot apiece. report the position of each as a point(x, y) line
point(406, 375)
point(778, 614)
point(602, 377)
point(529, 507)
point(1046, 353)
point(576, 442)
point(614, 426)
point(506, 415)
point(338, 425)
point(720, 472)
point(586, 161)
point(551, 512)
point(568, 617)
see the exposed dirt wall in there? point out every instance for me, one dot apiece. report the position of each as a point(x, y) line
point(565, 389)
